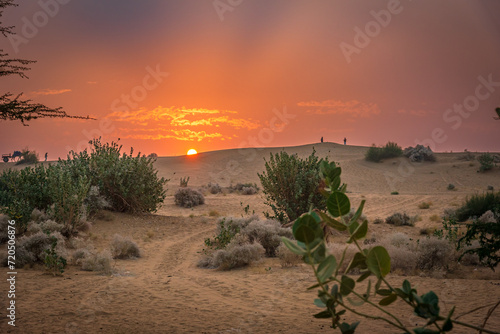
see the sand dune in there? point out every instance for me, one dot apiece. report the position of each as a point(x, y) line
point(164, 291)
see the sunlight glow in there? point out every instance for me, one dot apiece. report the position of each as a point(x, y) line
point(192, 151)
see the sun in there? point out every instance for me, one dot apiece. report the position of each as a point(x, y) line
point(192, 152)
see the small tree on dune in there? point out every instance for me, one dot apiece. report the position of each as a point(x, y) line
point(13, 106)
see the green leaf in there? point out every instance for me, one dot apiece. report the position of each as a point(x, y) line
point(364, 276)
point(316, 256)
point(358, 260)
point(448, 325)
point(422, 330)
point(292, 246)
point(333, 223)
point(346, 328)
point(378, 261)
point(326, 268)
point(323, 315)
point(358, 212)
point(347, 285)
point(359, 232)
point(388, 300)
point(406, 287)
point(305, 234)
point(353, 302)
point(338, 204)
point(384, 292)
point(319, 303)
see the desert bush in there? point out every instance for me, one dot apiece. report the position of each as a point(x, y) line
point(403, 258)
point(351, 214)
point(419, 153)
point(50, 226)
point(80, 254)
point(394, 193)
point(399, 239)
point(248, 191)
point(488, 217)
point(124, 248)
point(400, 219)
point(129, 183)
point(214, 188)
point(234, 256)
point(28, 157)
point(486, 233)
point(434, 253)
point(451, 186)
point(478, 204)
point(239, 187)
point(214, 213)
point(54, 263)
point(390, 150)
point(268, 233)
point(187, 197)
point(31, 249)
point(450, 213)
point(291, 185)
point(378, 221)
point(153, 155)
point(96, 201)
point(490, 188)
point(38, 216)
point(287, 257)
point(184, 181)
point(98, 262)
point(486, 161)
point(424, 205)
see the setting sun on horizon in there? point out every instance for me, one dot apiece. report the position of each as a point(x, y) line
point(192, 152)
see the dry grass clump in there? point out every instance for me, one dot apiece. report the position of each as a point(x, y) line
point(240, 241)
point(487, 217)
point(449, 213)
point(400, 219)
point(287, 257)
point(434, 254)
point(214, 213)
point(434, 218)
point(214, 188)
point(348, 217)
point(399, 239)
point(187, 197)
point(98, 262)
point(378, 221)
point(248, 191)
point(31, 249)
point(124, 248)
point(38, 216)
point(268, 233)
point(233, 256)
point(424, 205)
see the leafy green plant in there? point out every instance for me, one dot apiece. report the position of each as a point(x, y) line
point(337, 292)
point(478, 204)
point(377, 154)
point(54, 263)
point(28, 157)
point(223, 238)
point(394, 193)
point(450, 231)
point(291, 185)
point(488, 235)
point(487, 162)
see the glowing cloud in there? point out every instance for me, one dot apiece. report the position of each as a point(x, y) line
point(352, 108)
point(50, 91)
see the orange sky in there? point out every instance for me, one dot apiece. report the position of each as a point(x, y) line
point(166, 76)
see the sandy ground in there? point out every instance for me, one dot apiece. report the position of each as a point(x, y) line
point(164, 291)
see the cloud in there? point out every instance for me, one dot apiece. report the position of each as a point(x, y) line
point(50, 91)
point(419, 112)
point(180, 123)
point(92, 82)
point(158, 134)
point(183, 117)
point(331, 107)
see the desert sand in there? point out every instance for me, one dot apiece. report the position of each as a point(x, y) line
point(165, 292)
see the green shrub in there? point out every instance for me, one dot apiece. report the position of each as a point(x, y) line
point(28, 157)
point(487, 162)
point(478, 204)
point(187, 197)
point(291, 185)
point(54, 263)
point(395, 193)
point(129, 183)
point(390, 150)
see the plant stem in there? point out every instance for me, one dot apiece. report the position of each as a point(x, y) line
point(473, 327)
